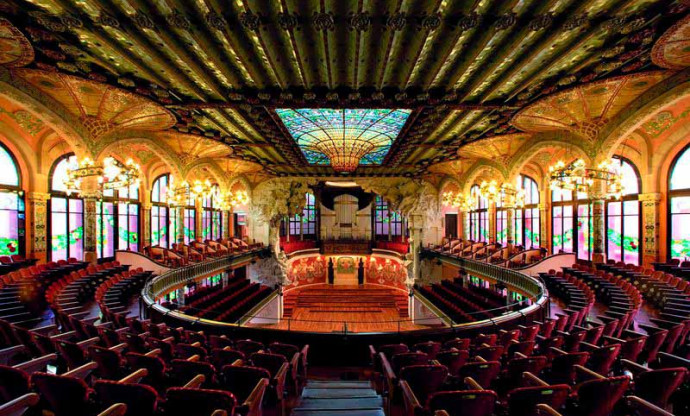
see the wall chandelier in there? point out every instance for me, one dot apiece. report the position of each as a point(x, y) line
point(182, 194)
point(456, 200)
point(111, 175)
point(232, 199)
point(604, 182)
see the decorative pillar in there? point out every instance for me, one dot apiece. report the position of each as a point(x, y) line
point(198, 226)
point(510, 226)
point(90, 193)
point(180, 225)
point(38, 206)
point(416, 228)
point(226, 223)
point(598, 215)
point(545, 231)
point(651, 211)
point(145, 225)
point(465, 221)
point(492, 222)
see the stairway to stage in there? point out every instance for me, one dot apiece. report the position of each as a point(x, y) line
point(336, 398)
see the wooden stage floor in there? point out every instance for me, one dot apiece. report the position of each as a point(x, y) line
point(325, 308)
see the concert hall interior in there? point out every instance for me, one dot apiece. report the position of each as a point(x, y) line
point(345, 207)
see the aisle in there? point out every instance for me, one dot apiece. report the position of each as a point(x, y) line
point(336, 398)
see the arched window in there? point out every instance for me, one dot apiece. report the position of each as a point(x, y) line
point(211, 218)
point(479, 215)
point(117, 221)
point(562, 221)
point(12, 212)
point(163, 218)
point(527, 218)
point(66, 214)
point(679, 203)
point(304, 225)
point(387, 223)
point(623, 217)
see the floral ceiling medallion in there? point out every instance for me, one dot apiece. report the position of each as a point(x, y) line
point(101, 107)
point(15, 49)
point(672, 50)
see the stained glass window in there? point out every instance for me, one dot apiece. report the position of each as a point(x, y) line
point(328, 134)
point(189, 224)
point(571, 224)
point(211, 219)
point(527, 218)
point(163, 218)
point(117, 221)
point(305, 224)
point(12, 214)
point(679, 193)
point(66, 215)
point(387, 223)
point(623, 217)
point(479, 216)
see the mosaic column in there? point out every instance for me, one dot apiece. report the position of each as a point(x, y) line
point(416, 232)
point(651, 211)
point(197, 219)
point(492, 222)
point(545, 240)
point(90, 192)
point(510, 225)
point(180, 225)
point(38, 206)
point(598, 216)
point(226, 224)
point(145, 225)
point(465, 220)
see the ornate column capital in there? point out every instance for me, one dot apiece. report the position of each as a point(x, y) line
point(38, 197)
point(650, 198)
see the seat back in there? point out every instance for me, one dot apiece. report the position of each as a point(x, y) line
point(65, 396)
point(72, 353)
point(221, 357)
point(482, 372)
point(430, 348)
point(270, 362)
point(657, 386)
point(601, 359)
point(491, 353)
point(457, 343)
point(464, 403)
point(182, 371)
point(406, 359)
point(15, 383)
point(154, 365)
point(286, 350)
point(523, 401)
point(182, 401)
point(517, 366)
point(240, 380)
point(454, 360)
point(140, 399)
point(424, 379)
point(598, 397)
point(249, 347)
point(108, 362)
point(184, 351)
point(391, 349)
point(563, 366)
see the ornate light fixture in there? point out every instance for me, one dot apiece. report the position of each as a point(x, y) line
point(181, 194)
point(604, 182)
point(456, 200)
point(231, 199)
point(490, 191)
point(111, 175)
point(511, 197)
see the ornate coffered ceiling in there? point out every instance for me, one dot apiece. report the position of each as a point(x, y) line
point(465, 68)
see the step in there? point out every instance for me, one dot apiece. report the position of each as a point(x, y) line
point(317, 384)
point(338, 412)
point(320, 393)
point(341, 403)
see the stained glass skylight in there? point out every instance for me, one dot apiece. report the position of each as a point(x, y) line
point(345, 138)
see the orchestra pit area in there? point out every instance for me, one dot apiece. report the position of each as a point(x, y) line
point(344, 208)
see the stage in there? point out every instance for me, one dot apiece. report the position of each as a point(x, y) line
point(328, 308)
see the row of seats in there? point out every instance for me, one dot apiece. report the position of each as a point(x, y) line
point(463, 304)
point(514, 256)
point(229, 304)
point(115, 293)
point(534, 368)
point(135, 367)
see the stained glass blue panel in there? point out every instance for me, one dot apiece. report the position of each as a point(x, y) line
point(324, 131)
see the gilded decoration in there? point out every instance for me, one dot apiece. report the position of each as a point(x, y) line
point(15, 48)
point(38, 202)
point(584, 109)
point(498, 148)
point(672, 50)
point(189, 147)
point(101, 107)
point(25, 120)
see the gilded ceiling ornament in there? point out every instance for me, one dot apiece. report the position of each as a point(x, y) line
point(309, 95)
point(288, 21)
point(324, 21)
point(633, 25)
point(125, 82)
point(54, 24)
point(396, 21)
point(431, 22)
point(70, 50)
point(576, 21)
point(614, 23)
point(632, 67)
point(106, 19)
point(505, 21)
point(607, 66)
point(541, 21)
point(467, 22)
point(567, 80)
point(143, 20)
point(236, 96)
point(612, 52)
point(285, 95)
point(54, 55)
point(249, 20)
point(178, 20)
point(332, 96)
point(15, 49)
point(215, 20)
point(72, 21)
point(672, 50)
point(264, 96)
point(359, 21)
point(66, 66)
point(378, 96)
